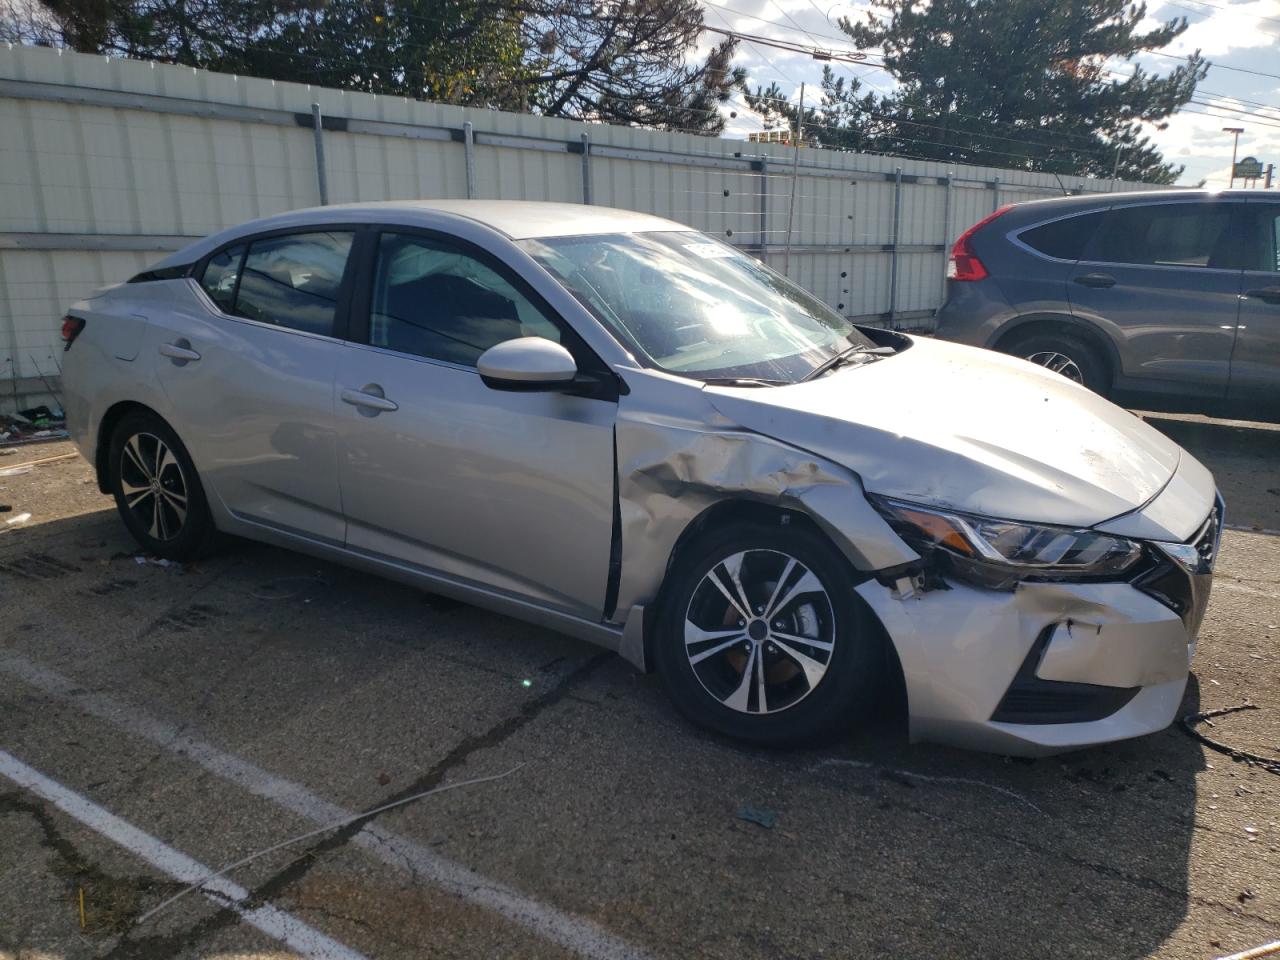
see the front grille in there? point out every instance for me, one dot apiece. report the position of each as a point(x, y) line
point(1180, 578)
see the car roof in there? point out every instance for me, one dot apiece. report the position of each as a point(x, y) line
point(515, 219)
point(1034, 211)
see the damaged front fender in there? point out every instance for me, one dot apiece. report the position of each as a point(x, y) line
point(678, 457)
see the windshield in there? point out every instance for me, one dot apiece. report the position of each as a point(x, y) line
point(691, 305)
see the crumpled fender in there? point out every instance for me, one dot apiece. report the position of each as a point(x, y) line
point(677, 457)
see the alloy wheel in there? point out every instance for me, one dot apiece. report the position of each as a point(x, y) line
point(759, 631)
point(1058, 363)
point(154, 486)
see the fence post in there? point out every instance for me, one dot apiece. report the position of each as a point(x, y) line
point(764, 206)
point(893, 250)
point(469, 144)
point(946, 235)
point(318, 132)
point(586, 168)
point(995, 200)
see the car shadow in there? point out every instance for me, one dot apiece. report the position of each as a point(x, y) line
point(935, 851)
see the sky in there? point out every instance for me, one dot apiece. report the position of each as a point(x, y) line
point(1235, 36)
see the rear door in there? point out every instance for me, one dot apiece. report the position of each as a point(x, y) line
point(510, 491)
point(1255, 364)
point(1164, 279)
point(249, 373)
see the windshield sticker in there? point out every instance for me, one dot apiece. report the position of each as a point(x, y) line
point(710, 251)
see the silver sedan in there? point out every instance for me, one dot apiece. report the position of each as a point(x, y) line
point(624, 429)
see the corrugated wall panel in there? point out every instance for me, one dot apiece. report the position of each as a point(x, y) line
point(89, 160)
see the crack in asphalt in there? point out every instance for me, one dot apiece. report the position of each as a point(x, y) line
point(113, 899)
point(157, 947)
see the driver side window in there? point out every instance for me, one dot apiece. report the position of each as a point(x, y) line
point(435, 300)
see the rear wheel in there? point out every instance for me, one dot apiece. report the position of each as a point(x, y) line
point(156, 488)
point(1064, 354)
point(762, 638)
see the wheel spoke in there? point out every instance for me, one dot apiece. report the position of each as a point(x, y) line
point(164, 459)
point(134, 453)
point(738, 699)
point(177, 504)
point(718, 648)
point(777, 587)
point(806, 584)
point(762, 703)
point(695, 634)
point(813, 670)
point(157, 521)
point(134, 498)
point(807, 641)
point(734, 567)
point(733, 601)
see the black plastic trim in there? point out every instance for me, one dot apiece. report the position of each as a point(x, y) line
point(1030, 700)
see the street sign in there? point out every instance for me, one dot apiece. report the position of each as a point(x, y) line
point(1250, 168)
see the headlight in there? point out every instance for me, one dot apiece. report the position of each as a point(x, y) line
point(999, 553)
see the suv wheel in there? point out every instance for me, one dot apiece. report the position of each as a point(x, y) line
point(1064, 354)
point(762, 638)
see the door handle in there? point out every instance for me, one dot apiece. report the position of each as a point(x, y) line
point(367, 400)
point(1095, 280)
point(1265, 294)
point(179, 352)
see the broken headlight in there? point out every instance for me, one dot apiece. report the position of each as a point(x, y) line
point(997, 554)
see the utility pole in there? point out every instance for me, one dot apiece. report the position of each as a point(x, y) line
point(1237, 131)
point(795, 173)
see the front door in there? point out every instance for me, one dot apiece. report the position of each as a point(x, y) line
point(1255, 364)
point(249, 369)
point(1163, 279)
point(511, 491)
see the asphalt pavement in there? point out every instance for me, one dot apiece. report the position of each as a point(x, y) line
point(158, 723)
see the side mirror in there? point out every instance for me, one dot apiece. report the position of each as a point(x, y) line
point(528, 364)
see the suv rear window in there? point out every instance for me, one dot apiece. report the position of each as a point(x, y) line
point(1064, 239)
point(1169, 235)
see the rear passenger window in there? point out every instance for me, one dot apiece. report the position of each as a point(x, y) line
point(219, 280)
point(1170, 235)
point(292, 281)
point(1064, 239)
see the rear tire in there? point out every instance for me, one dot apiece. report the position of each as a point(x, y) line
point(1066, 354)
point(801, 639)
point(157, 490)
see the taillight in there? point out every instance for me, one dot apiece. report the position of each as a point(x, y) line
point(964, 263)
point(71, 327)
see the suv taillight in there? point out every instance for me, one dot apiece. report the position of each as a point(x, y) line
point(71, 327)
point(964, 263)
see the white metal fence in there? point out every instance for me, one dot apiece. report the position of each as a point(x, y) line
point(106, 163)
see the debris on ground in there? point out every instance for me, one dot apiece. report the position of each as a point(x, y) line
point(758, 815)
point(1191, 722)
point(19, 518)
point(36, 423)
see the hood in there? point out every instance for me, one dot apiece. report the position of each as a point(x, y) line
point(970, 430)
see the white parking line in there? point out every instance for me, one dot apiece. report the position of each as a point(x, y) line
point(576, 934)
point(288, 929)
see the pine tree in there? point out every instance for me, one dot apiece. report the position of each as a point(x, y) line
point(1027, 83)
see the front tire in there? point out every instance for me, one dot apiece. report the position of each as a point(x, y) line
point(157, 490)
point(761, 637)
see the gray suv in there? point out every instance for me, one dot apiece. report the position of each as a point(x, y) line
point(1166, 300)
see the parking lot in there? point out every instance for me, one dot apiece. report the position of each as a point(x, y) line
point(207, 712)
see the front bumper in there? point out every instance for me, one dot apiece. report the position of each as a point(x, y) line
point(1045, 668)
